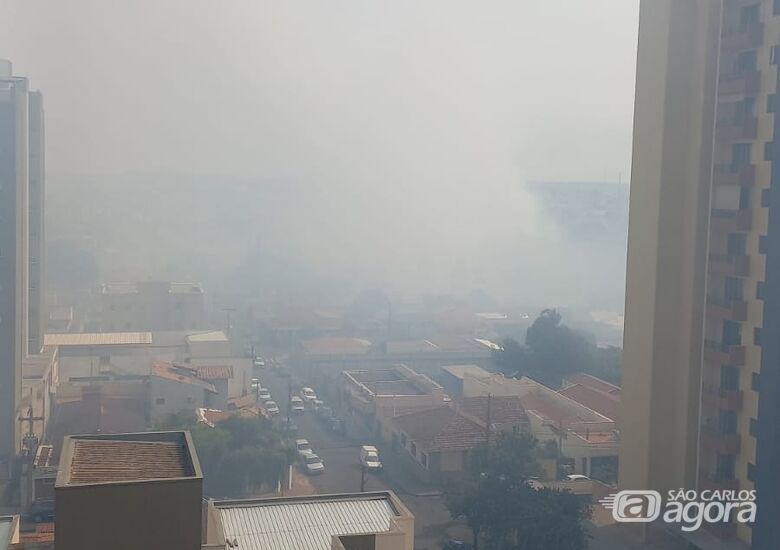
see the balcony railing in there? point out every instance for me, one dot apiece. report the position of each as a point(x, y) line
point(726, 174)
point(728, 131)
point(718, 442)
point(727, 400)
point(745, 83)
point(724, 354)
point(730, 265)
point(731, 221)
point(742, 37)
point(720, 308)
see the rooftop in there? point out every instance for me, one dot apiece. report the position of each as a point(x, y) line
point(223, 372)
point(503, 411)
point(98, 459)
point(603, 403)
point(98, 339)
point(461, 371)
point(593, 382)
point(210, 336)
point(441, 429)
point(307, 523)
point(336, 346)
point(181, 374)
point(399, 380)
point(186, 288)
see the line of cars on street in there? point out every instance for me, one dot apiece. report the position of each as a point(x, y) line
point(310, 462)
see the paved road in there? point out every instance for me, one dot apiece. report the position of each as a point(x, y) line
point(341, 458)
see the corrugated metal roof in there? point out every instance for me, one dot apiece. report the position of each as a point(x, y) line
point(97, 338)
point(211, 336)
point(304, 525)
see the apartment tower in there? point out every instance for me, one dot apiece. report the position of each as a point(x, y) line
point(702, 332)
point(21, 245)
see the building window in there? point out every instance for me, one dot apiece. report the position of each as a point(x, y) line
point(740, 156)
point(732, 333)
point(727, 422)
point(729, 377)
point(725, 466)
point(750, 15)
point(733, 288)
point(757, 336)
point(762, 244)
point(753, 427)
point(736, 244)
point(424, 459)
point(413, 449)
point(160, 401)
point(754, 381)
point(747, 62)
point(776, 8)
point(744, 110)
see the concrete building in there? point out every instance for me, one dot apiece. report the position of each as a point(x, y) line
point(40, 375)
point(152, 306)
point(21, 244)
point(362, 521)
point(176, 388)
point(373, 397)
point(129, 491)
point(702, 323)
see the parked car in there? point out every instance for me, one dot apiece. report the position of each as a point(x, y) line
point(296, 405)
point(303, 447)
point(369, 458)
point(264, 394)
point(308, 395)
point(255, 383)
point(259, 362)
point(271, 408)
point(577, 477)
point(313, 464)
point(42, 511)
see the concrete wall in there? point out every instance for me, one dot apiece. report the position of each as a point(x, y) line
point(667, 242)
point(177, 397)
point(157, 515)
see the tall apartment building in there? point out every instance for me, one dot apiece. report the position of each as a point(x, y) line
point(702, 331)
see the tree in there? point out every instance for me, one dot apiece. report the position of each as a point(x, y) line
point(507, 512)
point(552, 350)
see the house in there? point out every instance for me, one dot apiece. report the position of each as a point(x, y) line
point(454, 377)
point(175, 388)
point(438, 440)
point(360, 521)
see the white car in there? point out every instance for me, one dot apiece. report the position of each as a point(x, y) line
point(313, 464)
point(369, 458)
point(302, 447)
point(264, 393)
point(272, 408)
point(255, 384)
point(259, 362)
point(296, 405)
point(308, 395)
point(577, 477)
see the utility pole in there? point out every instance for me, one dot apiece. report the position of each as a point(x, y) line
point(487, 421)
point(362, 478)
point(228, 311)
point(289, 404)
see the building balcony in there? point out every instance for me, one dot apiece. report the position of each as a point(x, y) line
point(737, 130)
point(725, 174)
point(727, 400)
point(730, 265)
point(714, 441)
point(713, 482)
point(731, 221)
point(732, 310)
point(746, 83)
point(723, 354)
point(742, 37)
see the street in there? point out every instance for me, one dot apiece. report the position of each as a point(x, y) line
point(342, 469)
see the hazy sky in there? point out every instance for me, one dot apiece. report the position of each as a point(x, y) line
point(427, 112)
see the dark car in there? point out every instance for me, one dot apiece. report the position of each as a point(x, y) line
point(456, 544)
point(41, 511)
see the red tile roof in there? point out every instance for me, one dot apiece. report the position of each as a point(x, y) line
point(101, 461)
point(214, 373)
point(181, 374)
point(593, 382)
point(603, 403)
point(506, 411)
point(441, 429)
